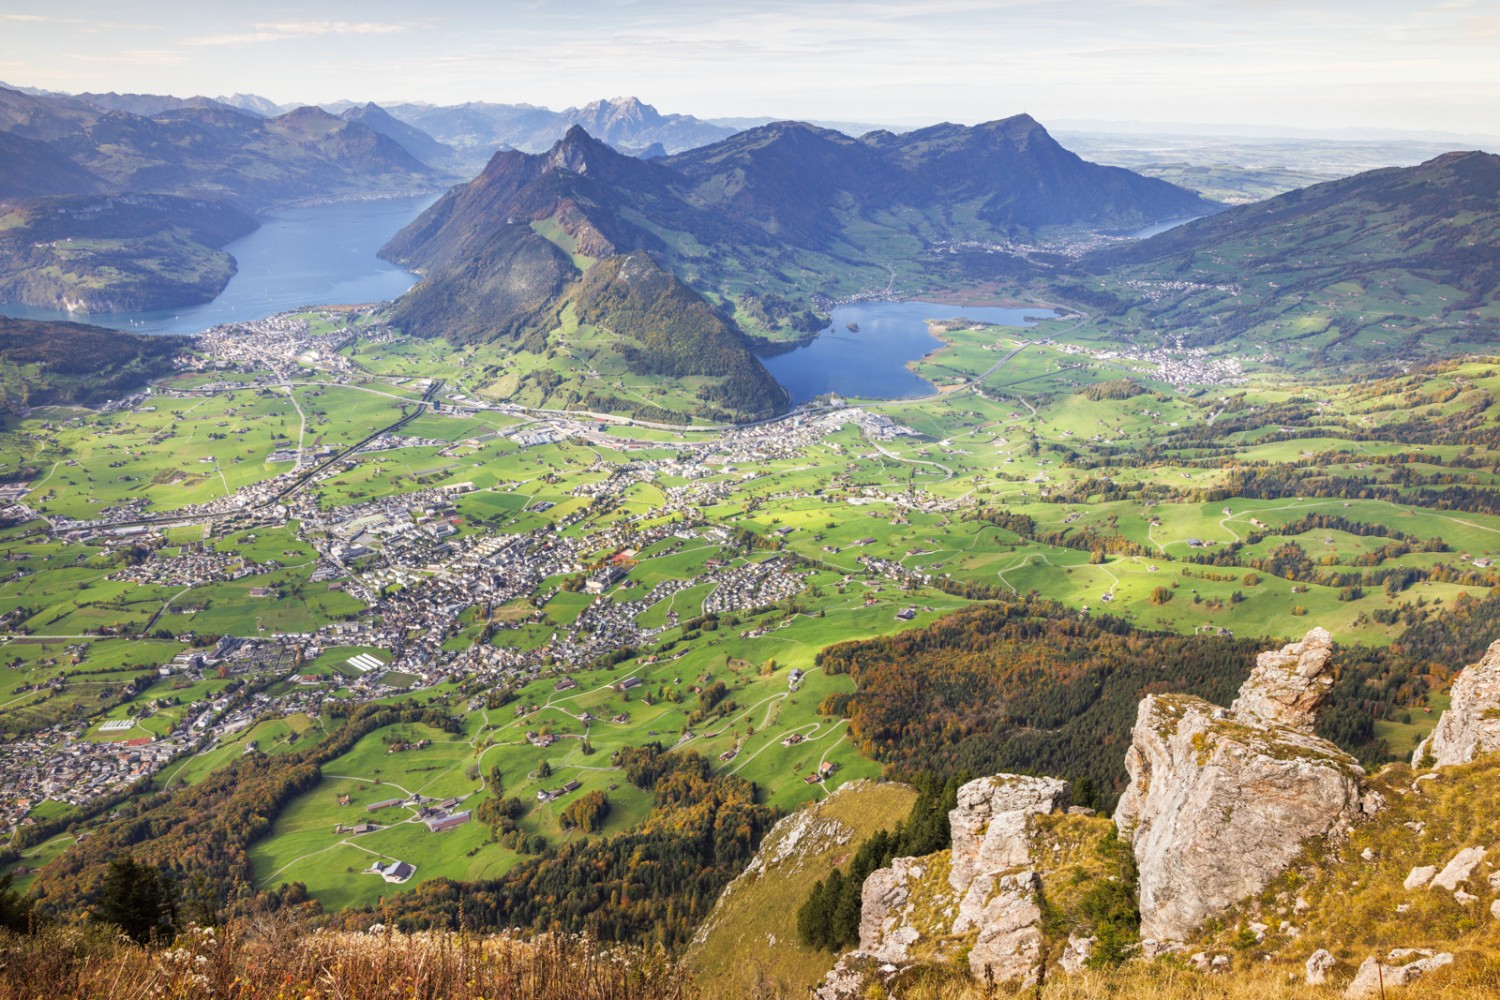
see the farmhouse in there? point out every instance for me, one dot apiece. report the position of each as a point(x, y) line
point(396, 871)
point(440, 823)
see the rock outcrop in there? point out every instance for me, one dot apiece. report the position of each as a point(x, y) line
point(989, 823)
point(984, 895)
point(1471, 725)
point(1220, 801)
point(1375, 977)
point(1457, 871)
point(1288, 685)
point(884, 933)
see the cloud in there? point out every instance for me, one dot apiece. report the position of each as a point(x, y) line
point(134, 57)
point(282, 30)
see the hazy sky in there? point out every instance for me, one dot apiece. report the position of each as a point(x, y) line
point(1407, 64)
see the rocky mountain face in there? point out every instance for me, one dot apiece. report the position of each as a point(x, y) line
point(1471, 725)
point(207, 150)
point(1220, 801)
point(422, 147)
point(501, 254)
point(1237, 818)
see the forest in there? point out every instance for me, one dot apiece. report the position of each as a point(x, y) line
point(1029, 686)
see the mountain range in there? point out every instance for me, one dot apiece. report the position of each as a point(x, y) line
point(171, 182)
point(479, 128)
point(741, 222)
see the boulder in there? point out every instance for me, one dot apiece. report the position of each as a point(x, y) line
point(1418, 878)
point(1078, 952)
point(849, 979)
point(1471, 725)
point(1319, 964)
point(1218, 806)
point(1288, 685)
point(1457, 871)
point(1374, 977)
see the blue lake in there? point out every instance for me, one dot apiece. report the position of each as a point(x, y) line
point(871, 363)
point(1161, 227)
point(318, 255)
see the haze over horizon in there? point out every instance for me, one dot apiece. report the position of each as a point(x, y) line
point(1327, 64)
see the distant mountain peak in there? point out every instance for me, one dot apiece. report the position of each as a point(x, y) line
point(310, 113)
point(576, 150)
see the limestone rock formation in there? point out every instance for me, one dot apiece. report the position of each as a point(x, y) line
point(1009, 944)
point(1288, 685)
point(1220, 801)
point(1471, 725)
point(1457, 871)
point(989, 823)
point(1318, 965)
point(883, 934)
point(984, 894)
point(1375, 977)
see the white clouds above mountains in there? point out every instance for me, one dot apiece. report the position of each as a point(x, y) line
point(1313, 63)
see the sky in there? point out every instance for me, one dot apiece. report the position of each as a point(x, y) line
point(1309, 64)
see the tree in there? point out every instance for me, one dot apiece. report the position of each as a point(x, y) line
point(15, 909)
point(138, 899)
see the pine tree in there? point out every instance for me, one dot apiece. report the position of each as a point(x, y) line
point(138, 899)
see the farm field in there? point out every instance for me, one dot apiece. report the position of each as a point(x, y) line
point(560, 588)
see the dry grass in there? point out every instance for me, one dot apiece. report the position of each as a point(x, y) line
point(273, 960)
point(1162, 981)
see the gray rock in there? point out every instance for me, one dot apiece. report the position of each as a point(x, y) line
point(1458, 870)
point(1218, 806)
point(883, 930)
point(1078, 952)
point(1008, 948)
point(1318, 966)
point(992, 893)
point(989, 823)
point(1288, 685)
point(1374, 977)
point(1419, 878)
point(848, 980)
point(1471, 725)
